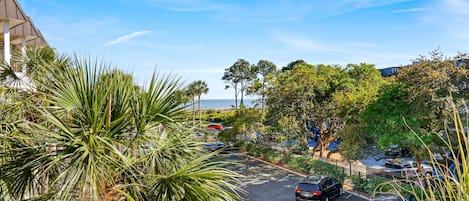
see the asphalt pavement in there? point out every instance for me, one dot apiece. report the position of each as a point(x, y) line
point(265, 182)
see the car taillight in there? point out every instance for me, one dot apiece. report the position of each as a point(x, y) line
point(316, 193)
point(297, 190)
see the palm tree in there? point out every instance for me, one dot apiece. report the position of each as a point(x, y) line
point(35, 65)
point(198, 88)
point(190, 89)
point(97, 137)
point(183, 96)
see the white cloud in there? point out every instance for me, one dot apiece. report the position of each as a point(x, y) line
point(127, 37)
point(410, 10)
point(339, 7)
point(191, 47)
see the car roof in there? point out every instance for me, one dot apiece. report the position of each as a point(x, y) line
point(313, 179)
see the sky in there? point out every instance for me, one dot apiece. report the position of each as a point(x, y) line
point(198, 39)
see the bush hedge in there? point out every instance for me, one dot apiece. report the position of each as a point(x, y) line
point(372, 185)
point(298, 163)
point(321, 167)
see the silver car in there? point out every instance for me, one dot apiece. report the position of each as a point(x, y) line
point(405, 168)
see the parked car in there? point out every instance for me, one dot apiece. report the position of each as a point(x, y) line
point(214, 146)
point(215, 126)
point(389, 197)
point(405, 168)
point(395, 151)
point(315, 187)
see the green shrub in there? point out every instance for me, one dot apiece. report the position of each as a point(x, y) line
point(359, 184)
point(239, 144)
point(300, 163)
point(272, 156)
point(370, 186)
point(377, 185)
point(285, 158)
point(324, 168)
point(251, 149)
point(418, 193)
point(227, 136)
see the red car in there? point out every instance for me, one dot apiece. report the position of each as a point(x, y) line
point(215, 126)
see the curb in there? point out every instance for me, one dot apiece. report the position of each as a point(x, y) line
point(299, 174)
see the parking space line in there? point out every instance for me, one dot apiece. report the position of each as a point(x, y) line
point(349, 195)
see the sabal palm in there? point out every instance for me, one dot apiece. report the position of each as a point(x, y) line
point(197, 88)
point(34, 65)
point(100, 137)
point(183, 96)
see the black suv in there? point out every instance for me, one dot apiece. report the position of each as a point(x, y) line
point(314, 187)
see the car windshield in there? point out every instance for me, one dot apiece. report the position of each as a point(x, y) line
point(308, 187)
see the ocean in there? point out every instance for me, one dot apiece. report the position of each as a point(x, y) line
point(223, 103)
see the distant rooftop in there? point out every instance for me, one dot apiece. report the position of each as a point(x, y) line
point(390, 71)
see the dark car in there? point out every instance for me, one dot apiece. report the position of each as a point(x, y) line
point(215, 126)
point(315, 187)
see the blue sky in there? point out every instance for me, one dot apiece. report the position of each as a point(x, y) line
point(198, 39)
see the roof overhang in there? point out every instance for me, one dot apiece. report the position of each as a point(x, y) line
point(13, 22)
point(21, 26)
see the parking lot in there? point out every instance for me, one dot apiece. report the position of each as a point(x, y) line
point(269, 183)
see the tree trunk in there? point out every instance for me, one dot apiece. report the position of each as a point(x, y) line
point(314, 149)
point(419, 165)
point(306, 131)
point(200, 113)
point(236, 97)
point(262, 99)
point(241, 104)
point(320, 146)
point(321, 138)
point(332, 152)
point(193, 110)
point(418, 161)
